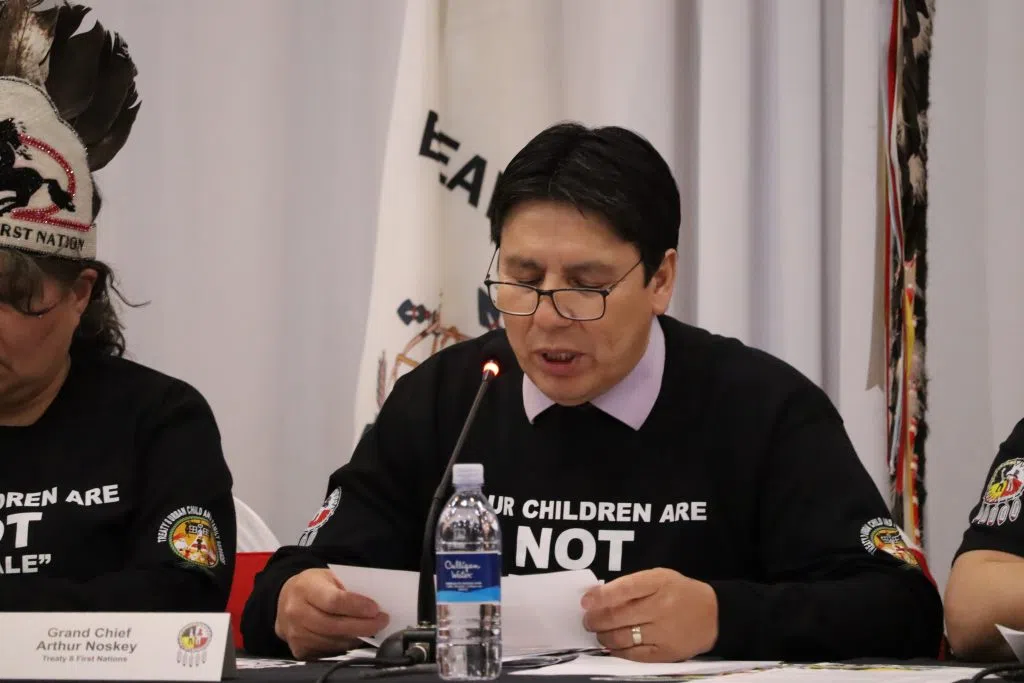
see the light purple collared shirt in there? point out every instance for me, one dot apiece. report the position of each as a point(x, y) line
point(631, 400)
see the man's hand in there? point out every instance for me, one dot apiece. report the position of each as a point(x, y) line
point(677, 616)
point(317, 617)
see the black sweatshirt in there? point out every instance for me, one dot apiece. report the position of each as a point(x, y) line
point(996, 521)
point(117, 499)
point(742, 476)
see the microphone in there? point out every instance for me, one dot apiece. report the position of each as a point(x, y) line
point(418, 645)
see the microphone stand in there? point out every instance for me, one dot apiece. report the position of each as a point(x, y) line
point(418, 644)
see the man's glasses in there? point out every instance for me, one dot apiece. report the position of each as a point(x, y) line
point(574, 303)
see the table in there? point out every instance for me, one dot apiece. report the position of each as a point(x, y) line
point(310, 671)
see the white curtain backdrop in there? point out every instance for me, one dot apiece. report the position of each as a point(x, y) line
point(976, 242)
point(243, 209)
point(245, 203)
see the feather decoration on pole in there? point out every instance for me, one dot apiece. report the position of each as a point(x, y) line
point(906, 110)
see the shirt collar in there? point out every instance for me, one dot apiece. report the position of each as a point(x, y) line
point(631, 400)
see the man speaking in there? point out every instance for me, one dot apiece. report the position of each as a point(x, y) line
point(711, 486)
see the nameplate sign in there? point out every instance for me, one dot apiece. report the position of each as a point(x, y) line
point(116, 646)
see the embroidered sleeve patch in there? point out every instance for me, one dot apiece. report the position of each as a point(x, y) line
point(1000, 501)
point(321, 517)
point(193, 536)
point(883, 534)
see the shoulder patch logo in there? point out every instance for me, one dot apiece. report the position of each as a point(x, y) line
point(882, 534)
point(193, 536)
point(1001, 500)
point(326, 510)
point(322, 516)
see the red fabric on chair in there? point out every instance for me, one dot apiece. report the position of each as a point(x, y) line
point(247, 566)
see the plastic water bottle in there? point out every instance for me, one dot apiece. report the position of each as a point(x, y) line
point(468, 547)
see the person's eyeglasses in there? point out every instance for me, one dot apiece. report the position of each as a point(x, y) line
point(574, 303)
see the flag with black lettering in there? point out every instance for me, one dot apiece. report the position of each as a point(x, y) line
point(906, 156)
point(473, 87)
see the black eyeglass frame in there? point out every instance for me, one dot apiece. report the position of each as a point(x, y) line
point(550, 293)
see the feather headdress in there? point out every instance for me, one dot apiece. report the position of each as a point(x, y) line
point(67, 104)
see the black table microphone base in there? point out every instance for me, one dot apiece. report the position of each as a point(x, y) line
point(416, 643)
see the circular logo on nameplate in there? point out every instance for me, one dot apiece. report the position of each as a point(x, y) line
point(193, 643)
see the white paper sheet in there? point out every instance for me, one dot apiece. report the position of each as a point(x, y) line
point(394, 592)
point(605, 665)
point(539, 612)
point(832, 673)
point(1015, 639)
point(246, 663)
point(352, 654)
point(542, 612)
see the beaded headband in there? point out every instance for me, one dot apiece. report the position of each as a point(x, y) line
point(67, 104)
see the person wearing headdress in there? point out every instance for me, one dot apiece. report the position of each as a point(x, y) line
point(114, 491)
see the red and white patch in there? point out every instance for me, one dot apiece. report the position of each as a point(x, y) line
point(322, 516)
point(326, 510)
point(1001, 499)
point(46, 191)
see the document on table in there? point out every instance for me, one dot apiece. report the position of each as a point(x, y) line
point(539, 612)
point(247, 663)
point(616, 667)
point(620, 670)
point(359, 653)
point(847, 673)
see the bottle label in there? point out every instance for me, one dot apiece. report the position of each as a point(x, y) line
point(469, 577)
